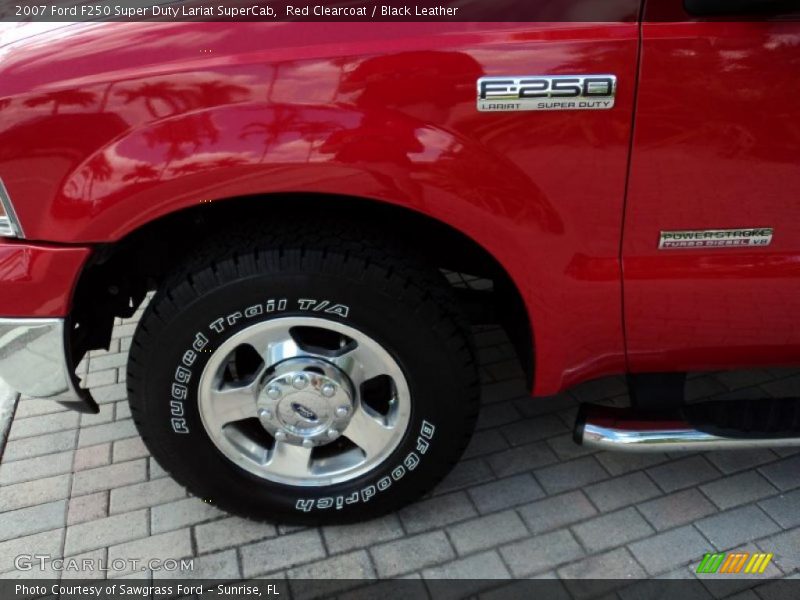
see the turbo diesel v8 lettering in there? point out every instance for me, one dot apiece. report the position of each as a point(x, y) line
point(310, 221)
point(722, 238)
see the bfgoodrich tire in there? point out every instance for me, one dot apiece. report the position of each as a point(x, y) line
point(304, 377)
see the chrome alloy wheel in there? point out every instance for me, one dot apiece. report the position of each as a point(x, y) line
point(304, 401)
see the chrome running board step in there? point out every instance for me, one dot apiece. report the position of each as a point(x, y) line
point(730, 425)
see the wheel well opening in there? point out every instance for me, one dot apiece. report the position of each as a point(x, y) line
point(119, 275)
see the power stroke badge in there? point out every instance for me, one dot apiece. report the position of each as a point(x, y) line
point(546, 92)
point(715, 238)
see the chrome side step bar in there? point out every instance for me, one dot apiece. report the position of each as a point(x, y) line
point(623, 429)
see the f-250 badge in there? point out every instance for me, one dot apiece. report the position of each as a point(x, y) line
point(546, 92)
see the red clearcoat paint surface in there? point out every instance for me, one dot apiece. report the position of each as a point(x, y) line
point(716, 146)
point(115, 125)
point(104, 128)
point(37, 280)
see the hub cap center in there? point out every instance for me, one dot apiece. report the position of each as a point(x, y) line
point(306, 402)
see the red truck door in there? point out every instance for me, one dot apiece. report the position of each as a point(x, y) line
point(715, 166)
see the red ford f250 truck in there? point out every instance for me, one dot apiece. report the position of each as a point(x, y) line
point(294, 195)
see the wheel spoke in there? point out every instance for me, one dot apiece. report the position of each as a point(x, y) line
point(274, 345)
point(360, 365)
point(368, 433)
point(234, 403)
point(289, 460)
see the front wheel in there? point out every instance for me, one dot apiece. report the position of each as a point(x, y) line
point(308, 380)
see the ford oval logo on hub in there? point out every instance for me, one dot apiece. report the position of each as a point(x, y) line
point(305, 412)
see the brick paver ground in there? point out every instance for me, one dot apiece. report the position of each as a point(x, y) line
point(525, 501)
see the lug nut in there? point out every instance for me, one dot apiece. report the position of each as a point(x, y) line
point(332, 433)
point(328, 390)
point(300, 381)
point(264, 413)
point(342, 411)
point(280, 435)
point(274, 392)
point(308, 443)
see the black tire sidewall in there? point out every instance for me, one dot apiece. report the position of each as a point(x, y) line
point(400, 320)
